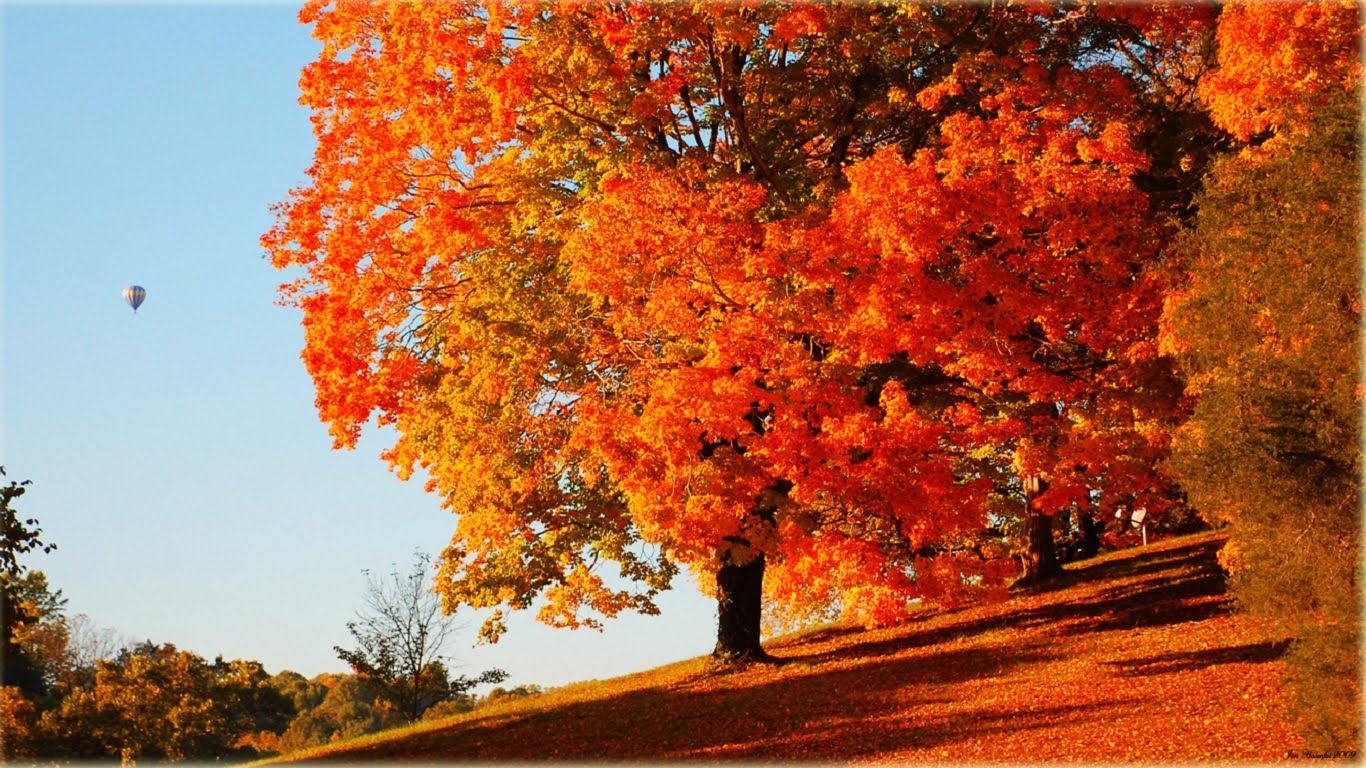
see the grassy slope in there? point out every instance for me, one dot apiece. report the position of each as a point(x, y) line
point(1136, 657)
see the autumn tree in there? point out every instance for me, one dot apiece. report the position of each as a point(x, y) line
point(29, 659)
point(1103, 447)
point(1267, 328)
point(804, 289)
point(154, 701)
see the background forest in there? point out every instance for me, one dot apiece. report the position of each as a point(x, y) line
point(844, 308)
point(77, 691)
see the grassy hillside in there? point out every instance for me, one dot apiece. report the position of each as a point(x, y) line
point(1136, 657)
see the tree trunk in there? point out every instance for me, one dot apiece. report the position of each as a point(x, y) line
point(1090, 534)
point(740, 586)
point(1041, 561)
point(739, 600)
point(1066, 550)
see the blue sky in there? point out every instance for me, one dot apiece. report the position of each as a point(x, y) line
point(175, 454)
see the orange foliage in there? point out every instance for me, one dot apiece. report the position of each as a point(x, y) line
point(617, 273)
point(1278, 62)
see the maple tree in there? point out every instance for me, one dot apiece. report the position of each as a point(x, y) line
point(1267, 327)
point(802, 289)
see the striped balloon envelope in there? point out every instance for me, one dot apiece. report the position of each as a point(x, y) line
point(134, 295)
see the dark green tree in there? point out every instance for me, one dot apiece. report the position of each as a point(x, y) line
point(302, 693)
point(348, 708)
point(1268, 330)
point(25, 599)
point(19, 536)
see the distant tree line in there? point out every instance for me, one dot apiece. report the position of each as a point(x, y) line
point(70, 690)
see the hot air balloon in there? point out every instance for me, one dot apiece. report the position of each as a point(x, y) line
point(134, 295)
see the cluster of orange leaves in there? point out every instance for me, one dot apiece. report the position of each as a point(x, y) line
point(591, 338)
point(1277, 63)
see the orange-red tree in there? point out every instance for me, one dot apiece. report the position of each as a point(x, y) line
point(790, 287)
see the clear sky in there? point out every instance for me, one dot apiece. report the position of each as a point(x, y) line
point(176, 457)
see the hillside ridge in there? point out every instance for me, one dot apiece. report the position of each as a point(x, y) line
point(1136, 655)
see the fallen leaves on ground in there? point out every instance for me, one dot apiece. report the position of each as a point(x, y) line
point(1137, 656)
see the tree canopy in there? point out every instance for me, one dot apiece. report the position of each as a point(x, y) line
point(710, 285)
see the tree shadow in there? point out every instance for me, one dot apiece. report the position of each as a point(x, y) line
point(823, 713)
point(816, 636)
point(1161, 664)
point(852, 740)
point(907, 690)
point(1140, 563)
point(1157, 599)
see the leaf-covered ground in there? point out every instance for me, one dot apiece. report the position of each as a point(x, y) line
point(1136, 657)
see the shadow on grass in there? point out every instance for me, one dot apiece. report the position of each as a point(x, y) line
point(820, 715)
point(1179, 585)
point(1252, 653)
point(866, 698)
point(852, 739)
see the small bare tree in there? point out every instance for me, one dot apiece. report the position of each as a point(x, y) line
point(88, 642)
point(401, 637)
